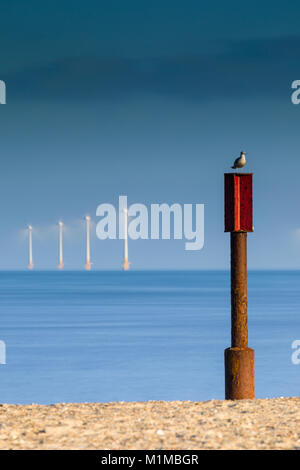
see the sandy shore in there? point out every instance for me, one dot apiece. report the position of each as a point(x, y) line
point(257, 424)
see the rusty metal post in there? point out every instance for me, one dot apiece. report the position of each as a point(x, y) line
point(239, 320)
point(239, 358)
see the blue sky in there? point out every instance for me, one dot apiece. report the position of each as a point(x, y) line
point(152, 100)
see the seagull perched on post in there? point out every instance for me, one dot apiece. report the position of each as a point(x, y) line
point(240, 161)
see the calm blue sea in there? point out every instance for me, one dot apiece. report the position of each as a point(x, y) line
point(113, 336)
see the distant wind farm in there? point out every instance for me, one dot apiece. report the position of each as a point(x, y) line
point(88, 262)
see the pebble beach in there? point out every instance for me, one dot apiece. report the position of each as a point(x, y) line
point(246, 424)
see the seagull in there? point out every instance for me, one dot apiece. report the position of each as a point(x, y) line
point(240, 161)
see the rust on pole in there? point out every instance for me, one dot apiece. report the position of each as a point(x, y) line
point(239, 320)
point(239, 358)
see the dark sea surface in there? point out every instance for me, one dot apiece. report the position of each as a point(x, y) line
point(131, 336)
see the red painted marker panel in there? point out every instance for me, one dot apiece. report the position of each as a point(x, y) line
point(238, 202)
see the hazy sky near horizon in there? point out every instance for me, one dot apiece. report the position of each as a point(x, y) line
point(153, 101)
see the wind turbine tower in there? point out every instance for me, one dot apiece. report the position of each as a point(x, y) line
point(126, 262)
point(30, 263)
point(61, 262)
point(88, 263)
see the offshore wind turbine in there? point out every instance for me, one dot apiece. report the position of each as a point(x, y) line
point(61, 262)
point(88, 263)
point(30, 263)
point(126, 262)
